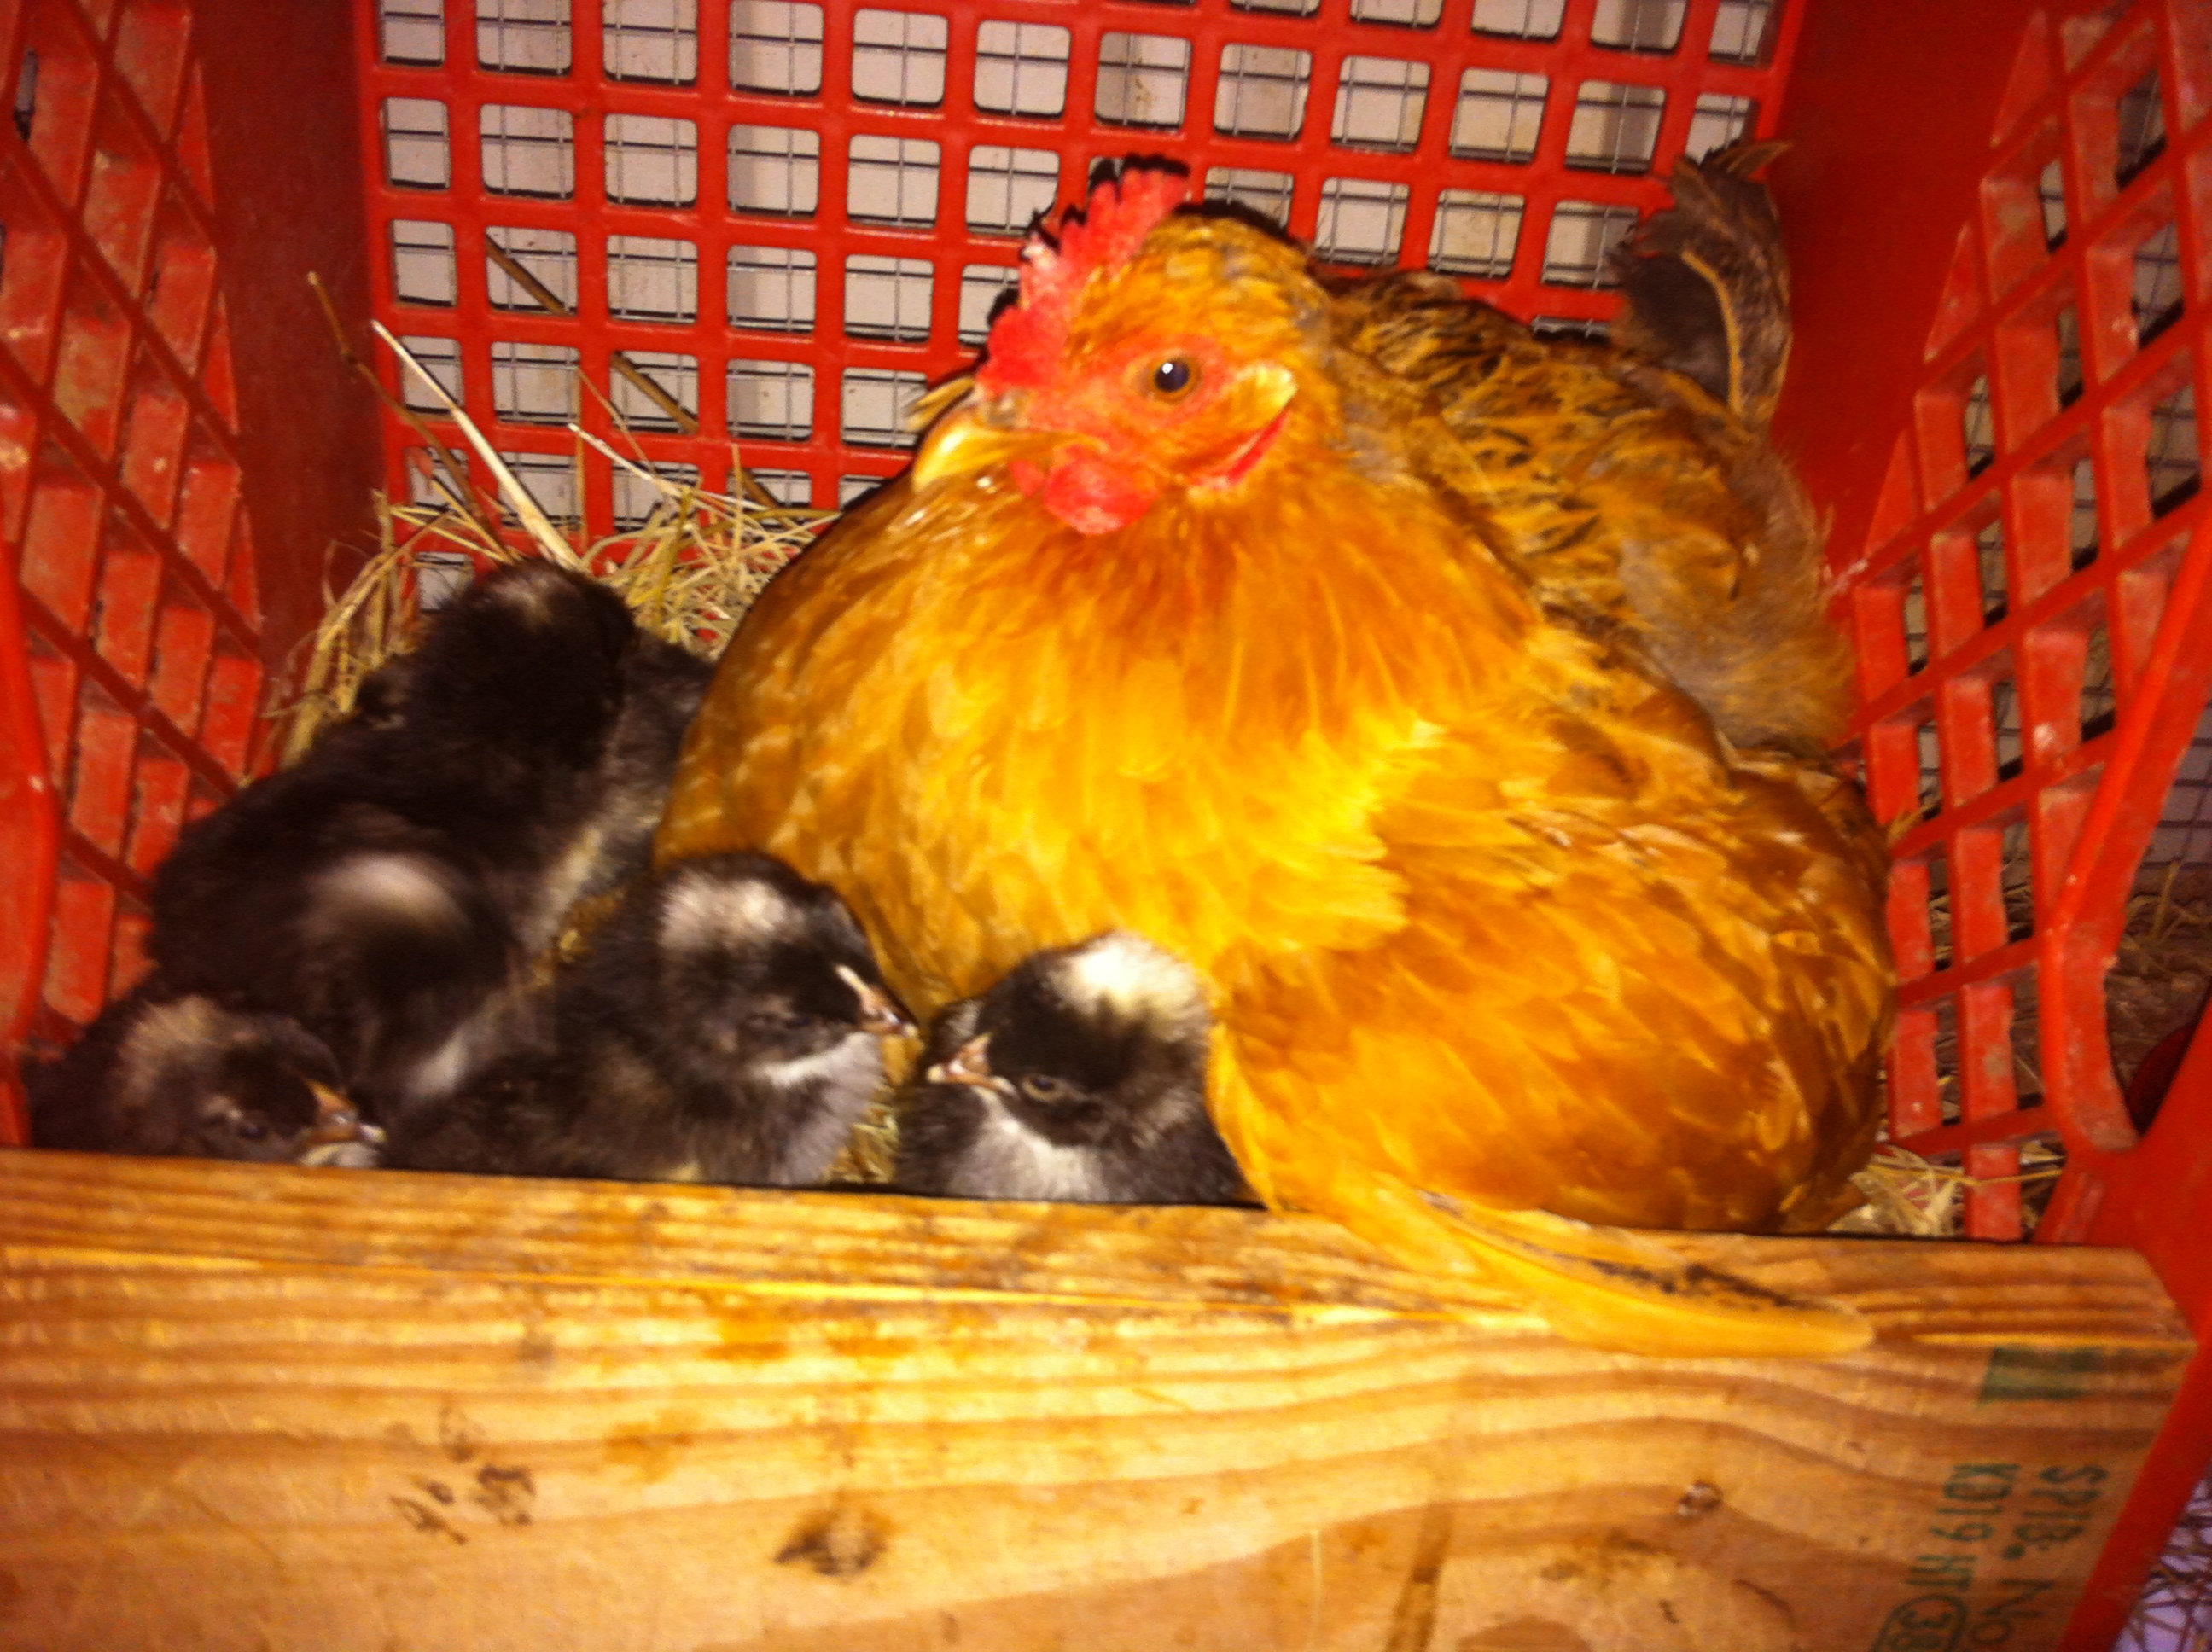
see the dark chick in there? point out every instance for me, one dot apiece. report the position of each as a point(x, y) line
point(725, 1027)
point(386, 892)
point(612, 844)
point(1080, 1077)
point(183, 1076)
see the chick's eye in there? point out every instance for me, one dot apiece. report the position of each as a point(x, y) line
point(1173, 377)
point(250, 1129)
point(1043, 1087)
point(781, 1021)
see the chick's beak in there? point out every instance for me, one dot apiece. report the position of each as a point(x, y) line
point(970, 1065)
point(336, 1118)
point(340, 1136)
point(880, 1013)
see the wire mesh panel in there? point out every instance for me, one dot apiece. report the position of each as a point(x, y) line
point(138, 609)
point(844, 186)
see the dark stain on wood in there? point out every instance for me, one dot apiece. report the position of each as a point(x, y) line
point(1603, 1561)
point(1414, 1620)
point(423, 1518)
point(1781, 1607)
point(537, 1349)
point(1525, 1635)
point(651, 1450)
point(461, 1436)
point(1702, 1498)
point(840, 1542)
point(506, 1494)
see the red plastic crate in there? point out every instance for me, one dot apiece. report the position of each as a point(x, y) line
point(175, 168)
point(149, 605)
point(659, 211)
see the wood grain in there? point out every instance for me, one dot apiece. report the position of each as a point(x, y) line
point(245, 1408)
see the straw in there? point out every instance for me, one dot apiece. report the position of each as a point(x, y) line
point(687, 573)
point(517, 498)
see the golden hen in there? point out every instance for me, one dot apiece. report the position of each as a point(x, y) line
point(1367, 653)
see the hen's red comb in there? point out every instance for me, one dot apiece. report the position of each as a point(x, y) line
point(1027, 341)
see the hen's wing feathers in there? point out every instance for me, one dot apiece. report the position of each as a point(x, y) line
point(1633, 503)
point(744, 744)
point(1678, 1009)
point(1639, 966)
point(1707, 284)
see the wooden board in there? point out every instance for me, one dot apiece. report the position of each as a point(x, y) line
point(243, 1407)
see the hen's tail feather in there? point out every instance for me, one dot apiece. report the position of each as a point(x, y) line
point(1605, 1287)
point(1706, 284)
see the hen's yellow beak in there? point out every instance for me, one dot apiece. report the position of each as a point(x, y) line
point(962, 444)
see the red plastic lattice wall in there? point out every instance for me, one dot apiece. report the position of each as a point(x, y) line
point(132, 695)
point(2024, 607)
point(793, 217)
point(2030, 607)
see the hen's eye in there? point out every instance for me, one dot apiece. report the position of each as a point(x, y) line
point(1044, 1088)
point(250, 1129)
point(1173, 377)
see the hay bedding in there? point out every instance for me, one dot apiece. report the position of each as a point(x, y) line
point(687, 573)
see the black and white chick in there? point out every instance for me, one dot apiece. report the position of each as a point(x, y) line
point(388, 891)
point(725, 1026)
point(1079, 1078)
point(179, 1075)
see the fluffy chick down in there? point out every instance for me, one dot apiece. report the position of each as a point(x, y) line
point(180, 1075)
point(1078, 1078)
point(725, 1026)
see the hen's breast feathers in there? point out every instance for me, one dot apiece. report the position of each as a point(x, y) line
point(1420, 843)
